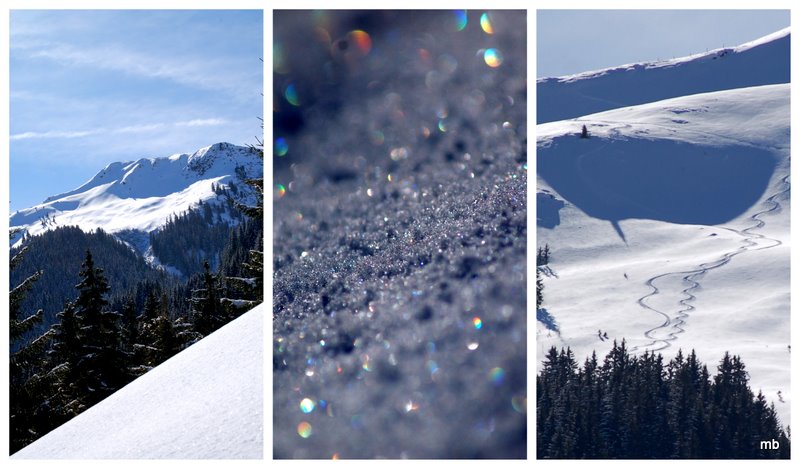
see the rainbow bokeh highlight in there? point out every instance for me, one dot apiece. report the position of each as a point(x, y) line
point(493, 57)
point(304, 429)
point(486, 24)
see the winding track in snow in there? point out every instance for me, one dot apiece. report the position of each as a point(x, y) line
point(677, 320)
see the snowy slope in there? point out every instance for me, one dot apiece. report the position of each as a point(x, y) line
point(141, 195)
point(204, 403)
point(669, 227)
point(761, 62)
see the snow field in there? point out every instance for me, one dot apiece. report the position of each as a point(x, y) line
point(702, 237)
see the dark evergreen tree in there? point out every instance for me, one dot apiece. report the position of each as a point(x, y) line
point(208, 314)
point(152, 307)
point(256, 211)
point(61, 374)
point(166, 340)
point(584, 132)
point(24, 361)
point(543, 255)
point(185, 335)
point(158, 340)
point(102, 365)
point(539, 290)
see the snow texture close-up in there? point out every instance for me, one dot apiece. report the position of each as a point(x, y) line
point(204, 403)
point(399, 255)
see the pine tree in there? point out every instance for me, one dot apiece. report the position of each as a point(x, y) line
point(207, 313)
point(62, 373)
point(166, 340)
point(25, 359)
point(584, 132)
point(185, 335)
point(158, 340)
point(539, 290)
point(130, 324)
point(151, 307)
point(256, 211)
point(543, 255)
point(102, 365)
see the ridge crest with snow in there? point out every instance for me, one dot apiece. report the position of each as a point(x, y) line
point(141, 195)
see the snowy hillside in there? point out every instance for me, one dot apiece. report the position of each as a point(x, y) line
point(669, 227)
point(141, 195)
point(764, 61)
point(204, 403)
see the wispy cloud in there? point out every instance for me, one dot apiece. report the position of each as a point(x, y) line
point(186, 71)
point(201, 122)
point(119, 130)
point(54, 134)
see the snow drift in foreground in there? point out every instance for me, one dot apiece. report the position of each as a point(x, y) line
point(669, 227)
point(204, 403)
point(764, 61)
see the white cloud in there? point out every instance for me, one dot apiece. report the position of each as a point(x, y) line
point(140, 128)
point(201, 122)
point(203, 74)
point(128, 129)
point(54, 134)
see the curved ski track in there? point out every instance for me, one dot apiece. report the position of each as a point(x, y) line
point(675, 321)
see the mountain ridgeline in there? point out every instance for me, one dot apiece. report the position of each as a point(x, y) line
point(627, 85)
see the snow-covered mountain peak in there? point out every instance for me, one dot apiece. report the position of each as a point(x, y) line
point(218, 153)
point(145, 177)
point(141, 195)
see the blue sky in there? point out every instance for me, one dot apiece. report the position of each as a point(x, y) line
point(92, 87)
point(573, 41)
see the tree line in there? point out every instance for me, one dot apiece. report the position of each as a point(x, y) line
point(639, 407)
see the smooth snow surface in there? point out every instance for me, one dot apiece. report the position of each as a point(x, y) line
point(669, 227)
point(140, 196)
point(204, 403)
point(764, 61)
